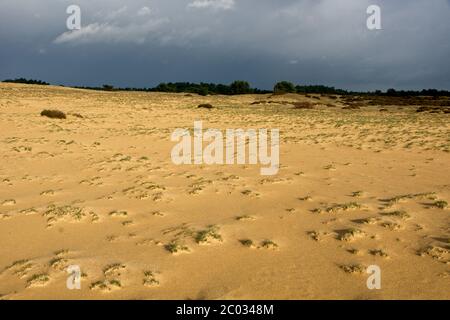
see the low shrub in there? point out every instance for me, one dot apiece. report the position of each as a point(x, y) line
point(303, 105)
point(206, 106)
point(53, 114)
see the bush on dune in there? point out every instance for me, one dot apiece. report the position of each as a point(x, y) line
point(53, 114)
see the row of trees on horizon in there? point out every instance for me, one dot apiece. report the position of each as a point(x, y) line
point(244, 87)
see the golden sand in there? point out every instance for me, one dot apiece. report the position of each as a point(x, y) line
point(355, 188)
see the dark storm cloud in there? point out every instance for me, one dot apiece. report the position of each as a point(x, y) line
point(143, 42)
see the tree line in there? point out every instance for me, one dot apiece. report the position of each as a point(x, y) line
point(244, 87)
point(26, 81)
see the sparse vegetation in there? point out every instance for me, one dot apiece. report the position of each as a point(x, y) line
point(398, 213)
point(357, 194)
point(205, 106)
point(350, 234)
point(246, 242)
point(208, 235)
point(176, 247)
point(441, 204)
point(269, 244)
point(38, 280)
point(353, 269)
point(392, 201)
point(378, 253)
point(55, 213)
point(150, 279)
point(303, 105)
point(343, 207)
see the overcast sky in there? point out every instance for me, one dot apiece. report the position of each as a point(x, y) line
point(141, 43)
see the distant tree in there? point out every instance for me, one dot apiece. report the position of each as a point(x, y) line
point(203, 91)
point(391, 92)
point(108, 87)
point(284, 87)
point(223, 89)
point(240, 87)
point(319, 89)
point(26, 81)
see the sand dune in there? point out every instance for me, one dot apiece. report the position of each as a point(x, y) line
point(99, 190)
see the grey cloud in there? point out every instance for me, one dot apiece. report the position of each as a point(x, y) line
point(263, 41)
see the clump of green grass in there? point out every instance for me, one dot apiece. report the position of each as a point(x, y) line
point(394, 200)
point(102, 285)
point(58, 263)
point(350, 234)
point(106, 285)
point(343, 207)
point(208, 235)
point(246, 243)
point(20, 267)
point(113, 269)
point(438, 253)
point(441, 204)
point(269, 244)
point(110, 281)
point(398, 213)
point(357, 194)
point(353, 269)
point(55, 213)
point(176, 247)
point(391, 225)
point(150, 279)
point(38, 280)
point(378, 253)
